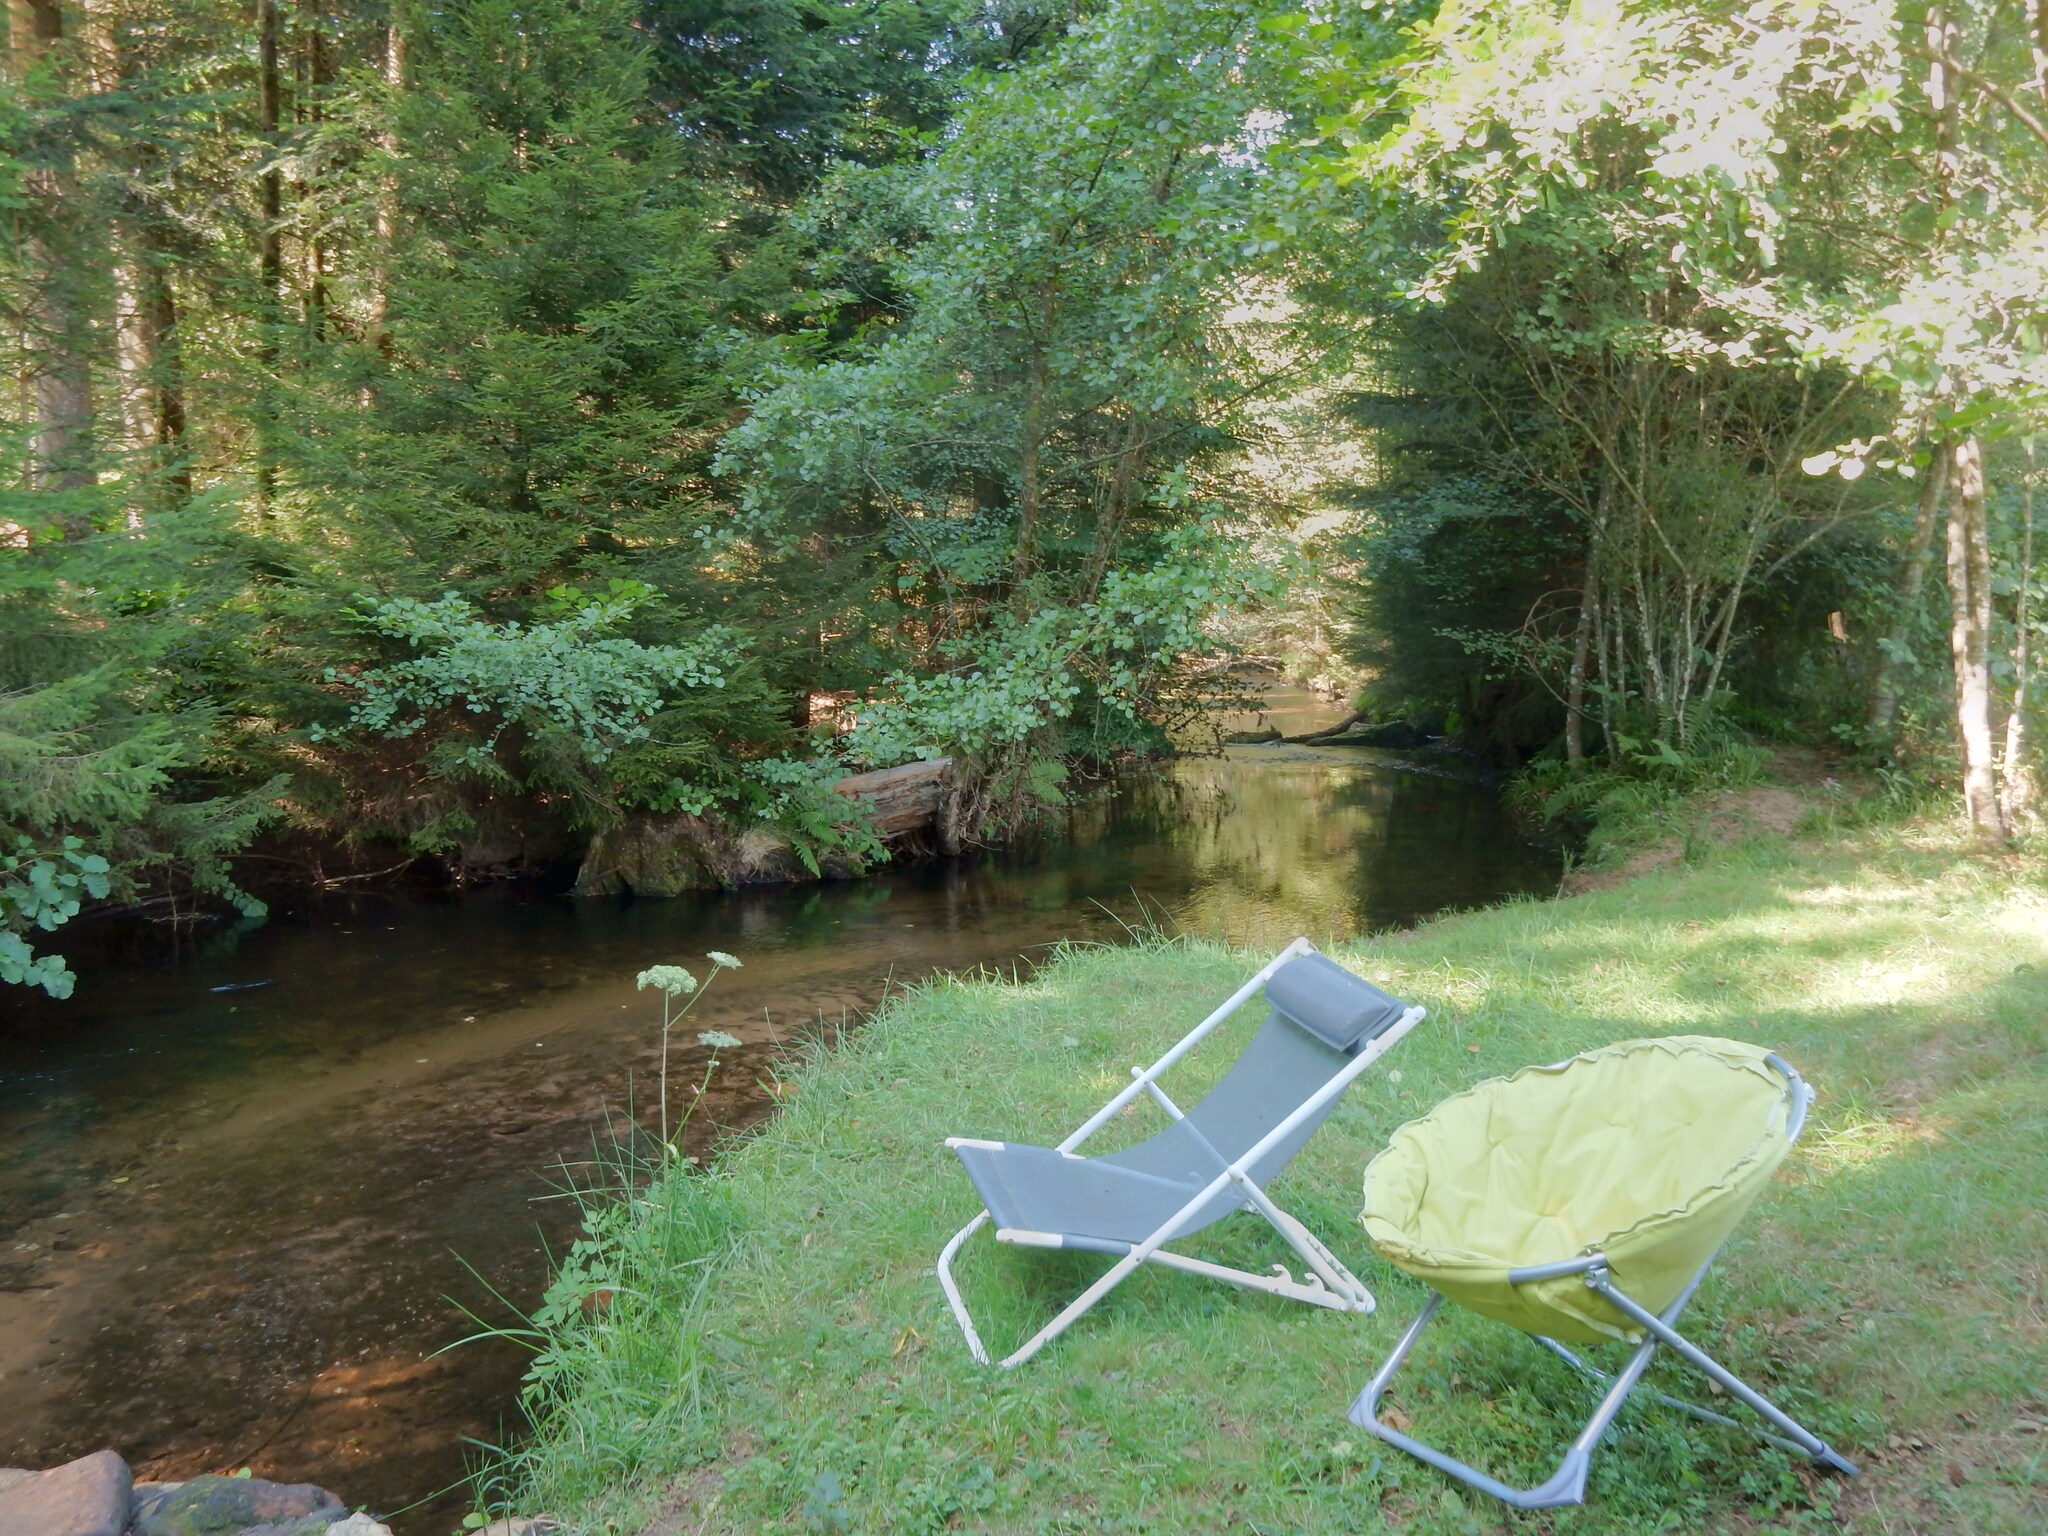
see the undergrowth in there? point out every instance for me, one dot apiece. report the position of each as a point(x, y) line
point(1618, 808)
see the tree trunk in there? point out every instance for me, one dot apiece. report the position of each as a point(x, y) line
point(270, 183)
point(903, 799)
point(1610, 673)
point(1582, 639)
point(1028, 487)
point(145, 313)
point(57, 319)
point(1884, 698)
point(2020, 789)
point(1969, 581)
point(270, 250)
point(387, 187)
point(2037, 44)
point(316, 75)
point(1117, 499)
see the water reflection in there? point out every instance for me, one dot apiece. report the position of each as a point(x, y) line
point(229, 1219)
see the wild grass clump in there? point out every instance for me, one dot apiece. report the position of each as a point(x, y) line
point(622, 1383)
point(1621, 806)
point(773, 1352)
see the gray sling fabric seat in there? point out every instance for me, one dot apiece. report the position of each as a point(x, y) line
point(1324, 1026)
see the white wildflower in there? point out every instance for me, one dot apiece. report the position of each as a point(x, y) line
point(672, 979)
point(723, 961)
point(717, 1039)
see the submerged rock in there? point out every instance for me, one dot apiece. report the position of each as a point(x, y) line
point(86, 1497)
point(210, 1505)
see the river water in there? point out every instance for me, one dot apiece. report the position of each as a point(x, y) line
point(246, 1191)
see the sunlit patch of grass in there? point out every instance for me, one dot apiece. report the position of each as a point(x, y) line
point(1892, 1289)
point(1858, 1142)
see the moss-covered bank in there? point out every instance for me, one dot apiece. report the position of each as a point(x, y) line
point(774, 1353)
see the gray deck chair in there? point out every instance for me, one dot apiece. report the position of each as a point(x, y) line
point(1326, 1027)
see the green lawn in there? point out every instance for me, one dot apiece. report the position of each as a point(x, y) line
point(776, 1354)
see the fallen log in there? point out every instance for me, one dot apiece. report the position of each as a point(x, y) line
point(1334, 730)
point(901, 799)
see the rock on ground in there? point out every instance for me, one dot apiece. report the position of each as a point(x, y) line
point(86, 1497)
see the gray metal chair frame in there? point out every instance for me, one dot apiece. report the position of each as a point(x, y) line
point(1238, 1182)
point(1568, 1484)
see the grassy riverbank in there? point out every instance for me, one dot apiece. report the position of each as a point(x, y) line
point(775, 1353)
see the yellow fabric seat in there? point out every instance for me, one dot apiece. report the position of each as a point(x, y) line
point(1649, 1152)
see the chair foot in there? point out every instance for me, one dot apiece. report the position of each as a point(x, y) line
point(1565, 1486)
point(1663, 1330)
point(1568, 1484)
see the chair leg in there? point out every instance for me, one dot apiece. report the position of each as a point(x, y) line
point(1568, 1484)
point(952, 1288)
point(1116, 1274)
point(1565, 1486)
point(1342, 1297)
point(1593, 1372)
point(1314, 1253)
point(1660, 1329)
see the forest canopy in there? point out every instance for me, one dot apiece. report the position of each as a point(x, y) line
point(457, 432)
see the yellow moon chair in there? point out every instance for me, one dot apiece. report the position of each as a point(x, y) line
point(1585, 1201)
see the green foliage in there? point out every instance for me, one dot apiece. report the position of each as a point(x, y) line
point(1725, 248)
point(785, 90)
point(931, 361)
point(44, 893)
point(1037, 430)
point(1018, 676)
point(107, 741)
point(572, 675)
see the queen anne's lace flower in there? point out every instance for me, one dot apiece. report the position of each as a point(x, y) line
point(672, 979)
point(723, 961)
point(717, 1039)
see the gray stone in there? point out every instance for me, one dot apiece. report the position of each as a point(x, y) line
point(86, 1497)
point(514, 1525)
point(210, 1505)
point(9, 1476)
point(321, 1523)
point(147, 1495)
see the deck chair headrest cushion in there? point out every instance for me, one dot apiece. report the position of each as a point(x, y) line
point(1340, 1009)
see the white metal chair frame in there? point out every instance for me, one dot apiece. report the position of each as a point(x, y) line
point(1329, 1284)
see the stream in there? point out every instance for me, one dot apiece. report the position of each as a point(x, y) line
point(247, 1190)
